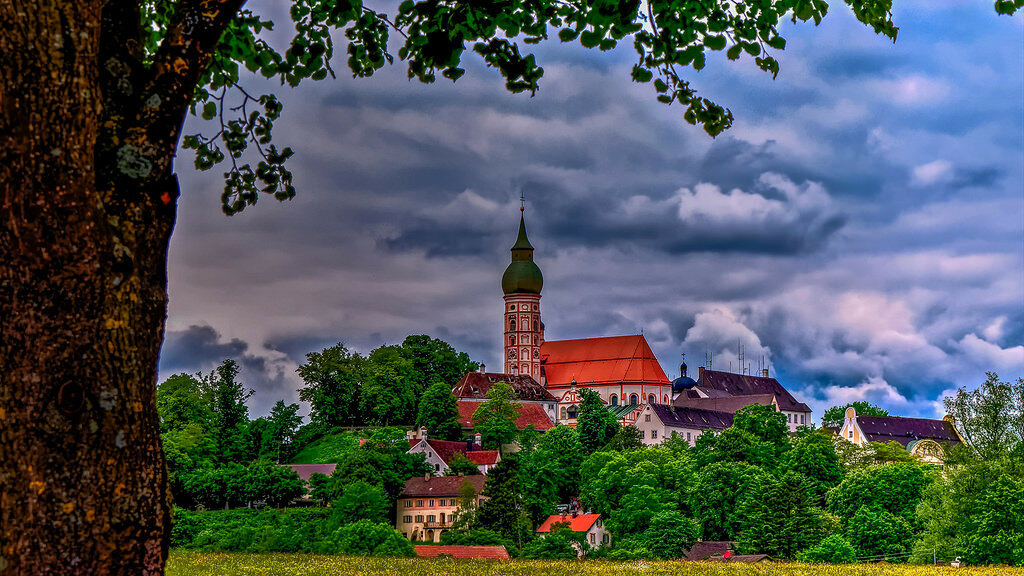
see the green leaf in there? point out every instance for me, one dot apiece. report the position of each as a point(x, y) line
point(641, 74)
point(590, 38)
point(714, 42)
point(567, 34)
point(209, 110)
point(660, 85)
point(734, 52)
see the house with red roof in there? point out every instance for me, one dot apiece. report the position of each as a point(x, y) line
point(537, 406)
point(439, 453)
point(590, 525)
point(925, 438)
point(427, 504)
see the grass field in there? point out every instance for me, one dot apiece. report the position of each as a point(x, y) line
point(330, 448)
point(200, 564)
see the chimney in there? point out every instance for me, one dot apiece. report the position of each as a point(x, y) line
point(423, 433)
point(700, 373)
point(764, 372)
point(426, 477)
point(478, 439)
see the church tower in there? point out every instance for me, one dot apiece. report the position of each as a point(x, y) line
point(524, 331)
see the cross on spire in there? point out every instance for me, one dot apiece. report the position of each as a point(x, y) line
point(522, 201)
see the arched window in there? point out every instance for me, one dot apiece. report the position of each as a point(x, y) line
point(536, 326)
point(634, 399)
point(511, 340)
point(573, 411)
point(563, 413)
point(512, 324)
point(666, 399)
point(614, 400)
point(651, 399)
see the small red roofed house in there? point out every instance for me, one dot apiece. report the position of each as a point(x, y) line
point(439, 452)
point(475, 552)
point(591, 525)
point(621, 369)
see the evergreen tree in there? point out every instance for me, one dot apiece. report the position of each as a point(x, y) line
point(279, 432)
point(495, 419)
point(230, 414)
point(669, 536)
point(595, 424)
point(503, 511)
point(439, 412)
point(778, 517)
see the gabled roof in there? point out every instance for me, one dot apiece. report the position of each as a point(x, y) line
point(441, 485)
point(476, 384)
point(581, 523)
point(306, 470)
point(692, 418)
point(479, 552)
point(445, 449)
point(747, 385)
point(528, 414)
point(608, 360)
point(704, 550)
point(906, 430)
point(728, 404)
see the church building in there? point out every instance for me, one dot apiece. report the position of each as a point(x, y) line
point(621, 369)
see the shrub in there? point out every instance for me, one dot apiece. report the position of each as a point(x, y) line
point(366, 538)
point(832, 550)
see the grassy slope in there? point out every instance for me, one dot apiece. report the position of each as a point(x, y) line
point(202, 564)
point(327, 450)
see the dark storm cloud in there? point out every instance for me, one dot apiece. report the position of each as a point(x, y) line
point(196, 348)
point(859, 226)
point(200, 348)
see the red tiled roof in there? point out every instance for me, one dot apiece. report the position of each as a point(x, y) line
point(608, 360)
point(581, 523)
point(446, 449)
point(481, 552)
point(528, 414)
point(306, 470)
point(476, 384)
point(441, 485)
point(747, 385)
point(483, 457)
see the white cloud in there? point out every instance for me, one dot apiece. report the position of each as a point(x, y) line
point(933, 172)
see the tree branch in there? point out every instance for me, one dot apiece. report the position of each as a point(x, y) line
point(184, 54)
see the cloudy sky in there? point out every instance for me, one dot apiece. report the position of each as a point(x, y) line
point(860, 228)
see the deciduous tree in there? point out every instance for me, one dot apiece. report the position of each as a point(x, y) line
point(495, 419)
point(834, 416)
point(439, 412)
point(594, 422)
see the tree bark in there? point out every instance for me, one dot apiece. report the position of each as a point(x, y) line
point(88, 135)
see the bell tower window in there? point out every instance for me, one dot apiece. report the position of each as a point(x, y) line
point(512, 324)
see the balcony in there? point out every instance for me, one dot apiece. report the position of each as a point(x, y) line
point(436, 525)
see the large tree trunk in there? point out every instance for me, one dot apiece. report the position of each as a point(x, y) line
point(88, 134)
point(83, 245)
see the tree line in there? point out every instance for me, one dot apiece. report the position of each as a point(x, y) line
point(808, 496)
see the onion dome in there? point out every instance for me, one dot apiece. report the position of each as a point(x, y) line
point(683, 383)
point(522, 275)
